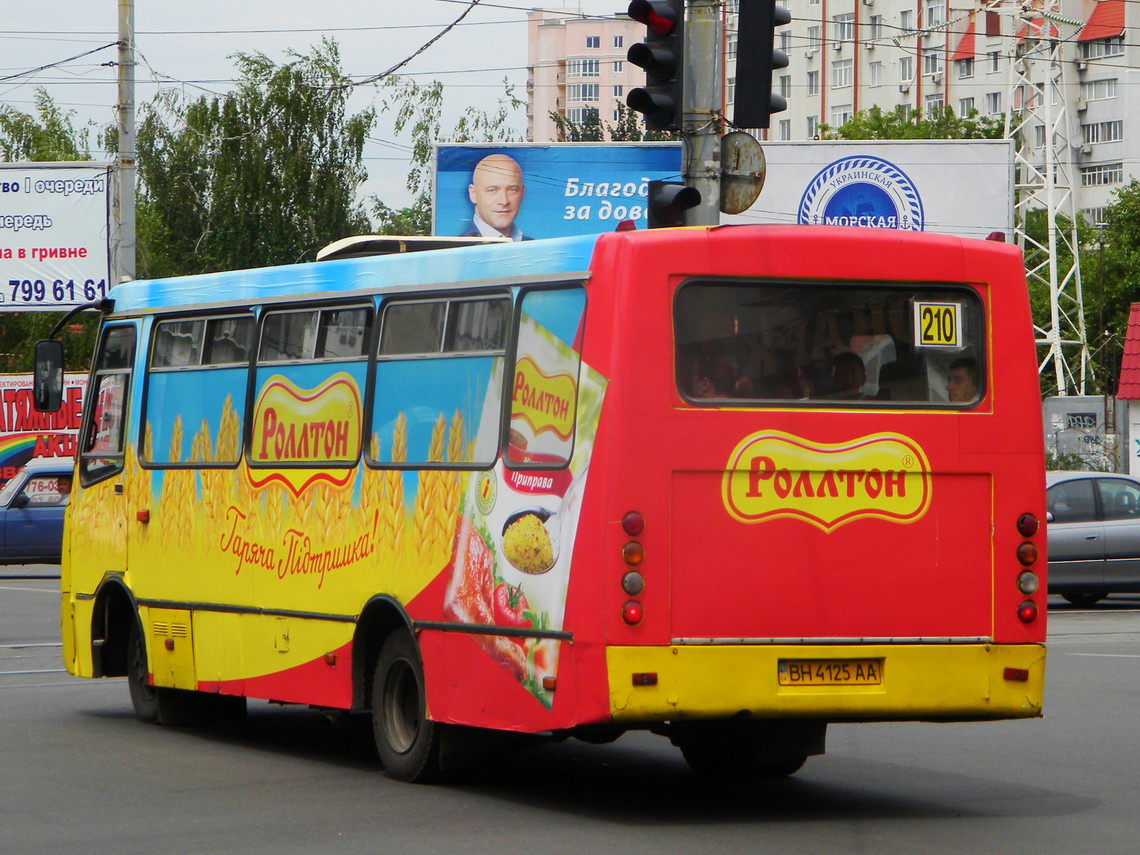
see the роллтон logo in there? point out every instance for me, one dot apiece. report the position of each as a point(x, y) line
point(862, 191)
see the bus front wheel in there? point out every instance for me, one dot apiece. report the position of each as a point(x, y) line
point(179, 707)
point(144, 696)
point(406, 740)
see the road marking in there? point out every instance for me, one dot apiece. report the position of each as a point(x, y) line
point(1110, 655)
point(44, 671)
point(51, 591)
point(21, 645)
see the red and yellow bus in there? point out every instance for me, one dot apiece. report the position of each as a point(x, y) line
point(725, 484)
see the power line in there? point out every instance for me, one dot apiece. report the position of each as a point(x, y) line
point(57, 63)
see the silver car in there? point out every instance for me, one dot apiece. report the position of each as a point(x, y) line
point(1094, 534)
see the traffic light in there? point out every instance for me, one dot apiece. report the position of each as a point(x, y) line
point(756, 56)
point(662, 55)
point(668, 201)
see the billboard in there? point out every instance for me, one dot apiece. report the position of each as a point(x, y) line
point(54, 228)
point(958, 187)
point(26, 433)
point(541, 190)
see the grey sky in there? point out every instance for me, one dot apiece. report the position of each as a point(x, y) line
point(188, 45)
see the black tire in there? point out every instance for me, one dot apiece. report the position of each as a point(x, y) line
point(173, 706)
point(749, 751)
point(1084, 599)
point(406, 740)
point(731, 760)
point(144, 696)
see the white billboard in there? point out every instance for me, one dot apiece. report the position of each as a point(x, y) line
point(54, 235)
point(958, 187)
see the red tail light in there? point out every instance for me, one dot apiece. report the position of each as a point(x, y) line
point(632, 613)
point(633, 524)
point(1027, 611)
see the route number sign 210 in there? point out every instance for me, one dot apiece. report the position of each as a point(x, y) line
point(937, 324)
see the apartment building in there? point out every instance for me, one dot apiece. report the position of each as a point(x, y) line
point(577, 64)
point(850, 55)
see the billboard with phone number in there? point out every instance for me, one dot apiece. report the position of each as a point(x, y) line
point(54, 235)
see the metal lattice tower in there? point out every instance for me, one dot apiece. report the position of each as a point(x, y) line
point(1044, 182)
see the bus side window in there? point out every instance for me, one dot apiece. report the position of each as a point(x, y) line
point(439, 398)
point(288, 335)
point(475, 325)
point(343, 333)
point(177, 344)
point(228, 341)
point(412, 328)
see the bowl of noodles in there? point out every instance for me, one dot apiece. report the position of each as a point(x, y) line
point(527, 543)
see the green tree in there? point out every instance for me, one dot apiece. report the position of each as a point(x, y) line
point(48, 135)
point(266, 175)
point(1110, 278)
point(417, 108)
point(898, 124)
point(627, 128)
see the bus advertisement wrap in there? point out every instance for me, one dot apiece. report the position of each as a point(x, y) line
point(529, 191)
point(54, 235)
point(549, 488)
point(26, 433)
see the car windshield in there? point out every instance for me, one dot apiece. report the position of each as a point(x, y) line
point(9, 489)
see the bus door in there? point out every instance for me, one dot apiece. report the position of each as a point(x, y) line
point(99, 507)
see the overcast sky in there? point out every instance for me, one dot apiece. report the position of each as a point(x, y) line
point(188, 45)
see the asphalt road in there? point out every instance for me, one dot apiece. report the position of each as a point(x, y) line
point(80, 775)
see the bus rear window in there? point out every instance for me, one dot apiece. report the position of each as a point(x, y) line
point(829, 345)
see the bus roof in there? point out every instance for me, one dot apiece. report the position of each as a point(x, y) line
point(524, 259)
point(531, 260)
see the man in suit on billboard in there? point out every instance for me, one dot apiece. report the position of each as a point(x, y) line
point(496, 191)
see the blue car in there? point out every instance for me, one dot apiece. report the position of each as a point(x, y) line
point(32, 504)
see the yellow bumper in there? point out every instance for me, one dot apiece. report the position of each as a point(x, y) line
point(949, 682)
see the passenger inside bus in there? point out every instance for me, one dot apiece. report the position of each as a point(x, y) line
point(962, 381)
point(848, 375)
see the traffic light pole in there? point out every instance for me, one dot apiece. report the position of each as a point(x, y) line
point(701, 127)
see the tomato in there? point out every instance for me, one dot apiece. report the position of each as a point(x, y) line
point(510, 605)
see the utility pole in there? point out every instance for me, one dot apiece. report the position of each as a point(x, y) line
point(123, 205)
point(1047, 184)
point(701, 127)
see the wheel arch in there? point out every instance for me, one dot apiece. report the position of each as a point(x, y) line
point(380, 617)
point(111, 619)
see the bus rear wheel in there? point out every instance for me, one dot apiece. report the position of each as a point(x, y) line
point(1085, 599)
point(759, 749)
point(406, 739)
point(728, 760)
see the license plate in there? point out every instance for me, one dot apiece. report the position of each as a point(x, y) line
point(830, 672)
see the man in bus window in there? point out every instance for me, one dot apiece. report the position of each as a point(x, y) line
point(962, 381)
point(848, 374)
point(496, 191)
